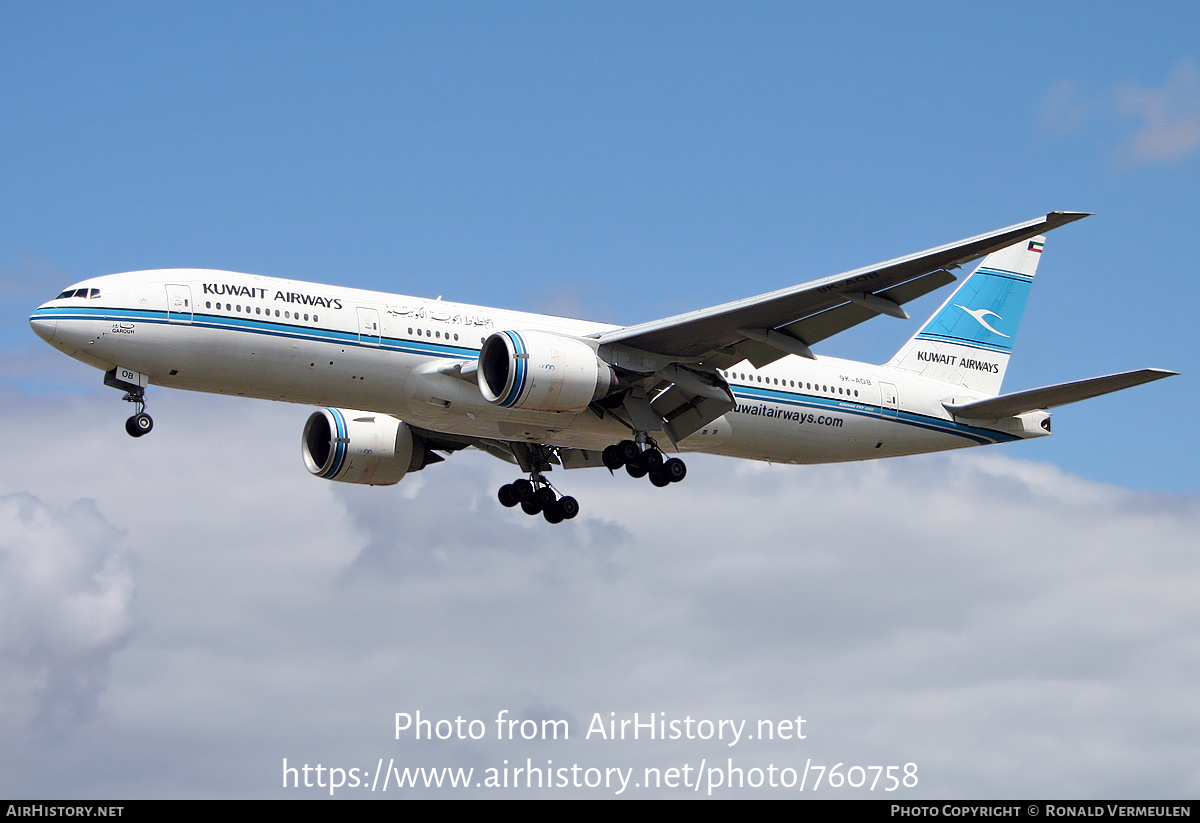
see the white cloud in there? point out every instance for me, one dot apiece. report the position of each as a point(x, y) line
point(1169, 115)
point(1013, 630)
point(1166, 117)
point(1065, 108)
point(66, 597)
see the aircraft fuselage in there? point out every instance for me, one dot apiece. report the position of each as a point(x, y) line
point(253, 336)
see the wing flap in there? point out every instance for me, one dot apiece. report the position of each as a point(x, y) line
point(1010, 405)
point(820, 327)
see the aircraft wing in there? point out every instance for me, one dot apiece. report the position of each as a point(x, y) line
point(788, 321)
point(1008, 405)
point(528, 456)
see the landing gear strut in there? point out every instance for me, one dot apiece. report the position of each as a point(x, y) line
point(536, 496)
point(640, 462)
point(140, 423)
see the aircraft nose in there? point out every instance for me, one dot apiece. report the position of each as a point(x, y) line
point(44, 327)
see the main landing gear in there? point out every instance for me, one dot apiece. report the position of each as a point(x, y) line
point(640, 457)
point(647, 462)
point(535, 496)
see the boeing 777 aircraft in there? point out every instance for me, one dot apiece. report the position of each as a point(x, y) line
point(404, 380)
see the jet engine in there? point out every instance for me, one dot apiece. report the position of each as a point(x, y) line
point(361, 447)
point(540, 371)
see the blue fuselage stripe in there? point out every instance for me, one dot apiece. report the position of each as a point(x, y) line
point(271, 329)
point(921, 421)
point(324, 335)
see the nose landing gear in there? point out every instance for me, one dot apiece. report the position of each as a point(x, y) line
point(140, 423)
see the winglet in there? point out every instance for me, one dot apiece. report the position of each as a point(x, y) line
point(1055, 219)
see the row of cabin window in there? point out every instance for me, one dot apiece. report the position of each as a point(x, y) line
point(437, 334)
point(287, 315)
point(789, 383)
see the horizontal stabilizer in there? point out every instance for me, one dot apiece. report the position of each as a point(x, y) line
point(1010, 405)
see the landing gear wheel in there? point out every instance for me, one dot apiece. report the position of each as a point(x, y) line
point(660, 479)
point(612, 457)
point(525, 490)
point(629, 451)
point(536, 496)
point(674, 469)
point(508, 496)
point(635, 469)
point(553, 513)
point(139, 424)
point(652, 459)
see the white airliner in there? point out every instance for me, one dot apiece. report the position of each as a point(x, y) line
point(404, 378)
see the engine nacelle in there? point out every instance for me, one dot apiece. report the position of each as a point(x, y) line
point(540, 371)
point(360, 447)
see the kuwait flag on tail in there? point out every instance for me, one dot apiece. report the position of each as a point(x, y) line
point(1035, 245)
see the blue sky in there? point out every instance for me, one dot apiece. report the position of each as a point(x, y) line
point(618, 162)
point(626, 162)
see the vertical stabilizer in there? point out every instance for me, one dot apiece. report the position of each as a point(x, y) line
point(967, 342)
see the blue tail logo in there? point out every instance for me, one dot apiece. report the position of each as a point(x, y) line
point(968, 340)
point(979, 314)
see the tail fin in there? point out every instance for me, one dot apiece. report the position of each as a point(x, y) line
point(967, 342)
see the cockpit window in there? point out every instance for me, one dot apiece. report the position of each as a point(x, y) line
point(89, 293)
